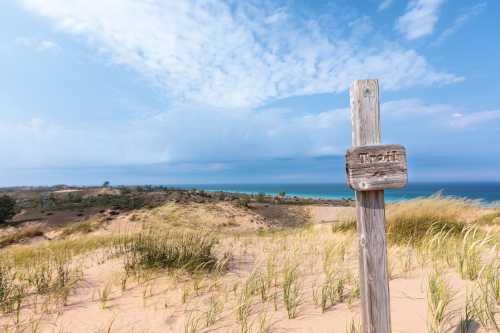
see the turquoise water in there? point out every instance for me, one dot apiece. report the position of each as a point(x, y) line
point(487, 192)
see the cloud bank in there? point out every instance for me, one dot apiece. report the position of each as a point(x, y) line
point(235, 55)
point(184, 135)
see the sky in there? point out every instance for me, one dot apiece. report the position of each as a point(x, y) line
point(226, 91)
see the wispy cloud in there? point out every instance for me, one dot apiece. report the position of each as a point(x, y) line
point(459, 22)
point(472, 120)
point(235, 54)
point(37, 44)
point(384, 5)
point(420, 18)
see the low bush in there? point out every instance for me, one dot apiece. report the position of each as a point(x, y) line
point(7, 208)
point(20, 234)
point(168, 249)
point(411, 220)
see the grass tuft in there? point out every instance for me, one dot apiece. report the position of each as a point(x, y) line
point(439, 297)
point(168, 249)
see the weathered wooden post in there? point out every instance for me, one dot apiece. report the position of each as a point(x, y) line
point(372, 167)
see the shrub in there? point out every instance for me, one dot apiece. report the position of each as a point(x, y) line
point(7, 208)
point(260, 197)
point(411, 220)
point(345, 225)
point(20, 234)
point(168, 249)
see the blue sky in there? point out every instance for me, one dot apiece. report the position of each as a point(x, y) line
point(165, 92)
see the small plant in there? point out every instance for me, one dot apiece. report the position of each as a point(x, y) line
point(244, 307)
point(147, 291)
point(63, 272)
point(7, 284)
point(40, 276)
point(439, 298)
point(467, 319)
point(347, 225)
point(197, 285)
point(353, 327)
point(292, 296)
point(17, 300)
point(186, 291)
point(264, 319)
point(215, 308)
point(264, 283)
point(192, 323)
point(407, 261)
point(469, 260)
point(484, 303)
point(354, 291)
point(104, 295)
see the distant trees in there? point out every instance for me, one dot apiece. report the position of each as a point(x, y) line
point(7, 208)
point(105, 184)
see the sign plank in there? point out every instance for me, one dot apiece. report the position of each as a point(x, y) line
point(376, 167)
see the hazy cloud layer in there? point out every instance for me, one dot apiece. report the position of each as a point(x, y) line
point(185, 135)
point(229, 54)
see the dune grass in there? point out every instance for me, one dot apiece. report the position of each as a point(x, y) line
point(488, 219)
point(21, 234)
point(413, 220)
point(168, 249)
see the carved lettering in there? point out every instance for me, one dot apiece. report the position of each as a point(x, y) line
point(389, 156)
point(376, 167)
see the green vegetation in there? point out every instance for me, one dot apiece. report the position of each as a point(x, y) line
point(489, 219)
point(7, 208)
point(412, 220)
point(439, 297)
point(169, 249)
point(292, 295)
point(18, 235)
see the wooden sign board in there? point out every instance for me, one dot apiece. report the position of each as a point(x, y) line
point(376, 167)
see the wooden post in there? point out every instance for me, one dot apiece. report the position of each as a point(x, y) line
point(375, 302)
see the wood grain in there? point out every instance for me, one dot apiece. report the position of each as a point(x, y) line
point(375, 304)
point(376, 167)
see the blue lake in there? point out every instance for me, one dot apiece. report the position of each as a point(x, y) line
point(488, 192)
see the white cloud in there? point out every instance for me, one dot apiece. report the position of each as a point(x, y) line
point(37, 44)
point(459, 22)
point(234, 54)
point(385, 4)
point(477, 118)
point(420, 18)
point(406, 107)
point(443, 116)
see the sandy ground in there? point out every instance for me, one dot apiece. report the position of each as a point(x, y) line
point(155, 304)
